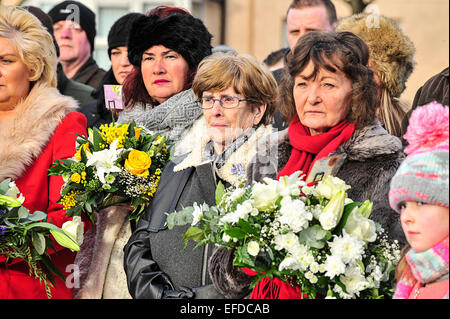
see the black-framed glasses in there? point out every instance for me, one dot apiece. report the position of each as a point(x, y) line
point(225, 101)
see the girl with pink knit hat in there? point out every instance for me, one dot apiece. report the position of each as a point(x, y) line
point(420, 193)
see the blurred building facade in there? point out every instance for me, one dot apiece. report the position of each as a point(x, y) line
point(257, 27)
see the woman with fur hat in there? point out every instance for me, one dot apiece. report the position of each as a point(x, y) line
point(37, 125)
point(236, 94)
point(329, 95)
point(391, 58)
point(419, 192)
point(165, 47)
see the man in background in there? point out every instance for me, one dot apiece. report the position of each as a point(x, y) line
point(74, 30)
point(304, 16)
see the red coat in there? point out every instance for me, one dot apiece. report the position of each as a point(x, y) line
point(41, 193)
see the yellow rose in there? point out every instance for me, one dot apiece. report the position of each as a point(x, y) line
point(138, 163)
point(76, 178)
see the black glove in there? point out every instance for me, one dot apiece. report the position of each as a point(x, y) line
point(182, 293)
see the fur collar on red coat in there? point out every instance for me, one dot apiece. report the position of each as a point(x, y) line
point(24, 136)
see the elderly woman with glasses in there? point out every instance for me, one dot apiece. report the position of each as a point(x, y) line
point(236, 94)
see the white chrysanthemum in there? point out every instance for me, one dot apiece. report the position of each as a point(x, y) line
point(354, 280)
point(348, 247)
point(289, 263)
point(314, 267)
point(334, 266)
point(294, 214)
point(287, 241)
point(302, 254)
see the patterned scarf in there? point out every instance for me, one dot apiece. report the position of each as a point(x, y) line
point(425, 267)
point(171, 118)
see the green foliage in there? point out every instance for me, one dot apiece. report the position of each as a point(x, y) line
point(27, 236)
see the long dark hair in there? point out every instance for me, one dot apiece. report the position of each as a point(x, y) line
point(342, 51)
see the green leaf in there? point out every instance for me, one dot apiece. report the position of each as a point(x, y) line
point(246, 227)
point(193, 233)
point(38, 241)
point(65, 239)
point(220, 191)
point(37, 216)
point(50, 268)
point(4, 186)
point(236, 232)
point(23, 212)
point(180, 218)
point(242, 258)
point(97, 139)
point(60, 235)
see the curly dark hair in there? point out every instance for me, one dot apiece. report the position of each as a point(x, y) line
point(342, 51)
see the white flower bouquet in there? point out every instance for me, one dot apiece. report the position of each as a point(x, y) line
point(314, 237)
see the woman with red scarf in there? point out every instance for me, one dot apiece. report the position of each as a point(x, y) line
point(329, 95)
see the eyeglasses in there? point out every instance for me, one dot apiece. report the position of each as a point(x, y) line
point(227, 102)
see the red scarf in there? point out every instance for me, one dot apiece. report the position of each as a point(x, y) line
point(307, 149)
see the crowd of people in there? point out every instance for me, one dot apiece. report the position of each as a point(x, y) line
point(334, 92)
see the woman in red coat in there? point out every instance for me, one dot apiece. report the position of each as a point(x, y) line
point(37, 126)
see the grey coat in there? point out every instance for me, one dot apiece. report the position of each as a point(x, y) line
point(372, 157)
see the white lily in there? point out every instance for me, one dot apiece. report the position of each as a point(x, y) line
point(290, 185)
point(104, 161)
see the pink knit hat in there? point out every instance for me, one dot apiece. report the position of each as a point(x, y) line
point(424, 175)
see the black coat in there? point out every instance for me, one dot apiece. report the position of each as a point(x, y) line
point(156, 264)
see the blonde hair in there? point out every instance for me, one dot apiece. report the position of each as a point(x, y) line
point(32, 41)
point(243, 73)
point(391, 112)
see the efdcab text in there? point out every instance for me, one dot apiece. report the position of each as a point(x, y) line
point(250, 308)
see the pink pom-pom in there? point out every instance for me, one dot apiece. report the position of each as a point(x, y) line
point(428, 127)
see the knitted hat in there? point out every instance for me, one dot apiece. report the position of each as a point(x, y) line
point(391, 51)
point(182, 33)
point(77, 12)
point(424, 175)
point(118, 34)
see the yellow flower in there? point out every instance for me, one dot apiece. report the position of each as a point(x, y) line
point(137, 132)
point(138, 163)
point(69, 201)
point(85, 148)
point(76, 178)
point(110, 133)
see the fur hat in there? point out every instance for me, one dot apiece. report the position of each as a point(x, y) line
point(84, 16)
point(182, 33)
point(391, 51)
point(423, 175)
point(118, 34)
